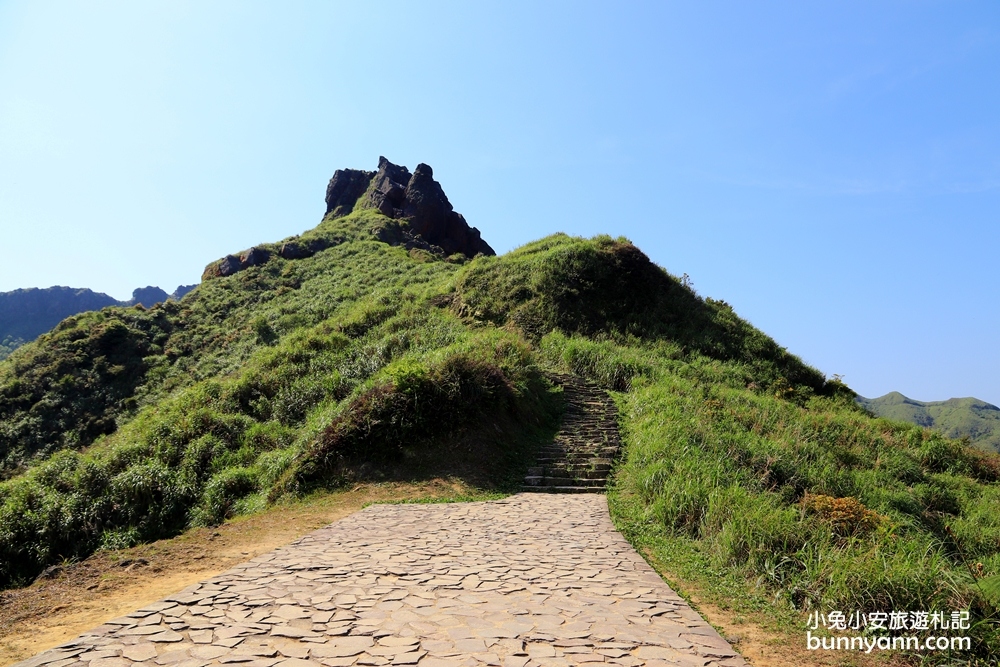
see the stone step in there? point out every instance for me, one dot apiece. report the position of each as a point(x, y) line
point(575, 474)
point(543, 482)
point(563, 489)
point(560, 451)
point(573, 481)
point(574, 466)
point(575, 456)
point(560, 480)
point(579, 459)
point(583, 454)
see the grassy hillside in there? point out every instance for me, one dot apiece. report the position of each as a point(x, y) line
point(369, 360)
point(970, 418)
point(9, 344)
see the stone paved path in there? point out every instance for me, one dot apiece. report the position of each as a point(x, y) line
point(531, 580)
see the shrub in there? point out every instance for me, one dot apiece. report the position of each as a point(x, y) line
point(847, 517)
point(414, 404)
point(221, 493)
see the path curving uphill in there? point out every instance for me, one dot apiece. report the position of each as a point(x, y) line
point(529, 581)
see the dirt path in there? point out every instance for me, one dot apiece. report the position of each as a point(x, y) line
point(530, 581)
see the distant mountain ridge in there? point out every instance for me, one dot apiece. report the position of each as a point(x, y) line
point(954, 418)
point(25, 314)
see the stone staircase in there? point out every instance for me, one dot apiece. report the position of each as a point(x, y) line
point(579, 459)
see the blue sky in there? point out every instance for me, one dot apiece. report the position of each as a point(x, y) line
point(830, 169)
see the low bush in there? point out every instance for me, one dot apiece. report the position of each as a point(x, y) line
point(417, 402)
point(847, 517)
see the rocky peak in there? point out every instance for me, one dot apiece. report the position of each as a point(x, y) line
point(414, 198)
point(147, 297)
point(344, 190)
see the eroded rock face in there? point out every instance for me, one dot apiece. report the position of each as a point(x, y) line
point(426, 218)
point(293, 248)
point(147, 296)
point(415, 198)
point(231, 264)
point(344, 190)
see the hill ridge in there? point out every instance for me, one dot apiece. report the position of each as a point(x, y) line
point(966, 417)
point(27, 313)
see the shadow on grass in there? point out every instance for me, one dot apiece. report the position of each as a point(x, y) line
point(492, 454)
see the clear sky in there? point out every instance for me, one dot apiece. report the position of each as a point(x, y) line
point(831, 169)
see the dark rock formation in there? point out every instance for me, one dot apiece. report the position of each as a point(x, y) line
point(396, 234)
point(227, 266)
point(147, 297)
point(387, 192)
point(254, 256)
point(231, 264)
point(181, 291)
point(416, 199)
point(346, 187)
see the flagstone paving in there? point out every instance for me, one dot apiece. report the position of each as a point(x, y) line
point(532, 580)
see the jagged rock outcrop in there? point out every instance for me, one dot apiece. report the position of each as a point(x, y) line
point(231, 264)
point(416, 199)
point(147, 297)
point(181, 291)
point(426, 219)
point(345, 189)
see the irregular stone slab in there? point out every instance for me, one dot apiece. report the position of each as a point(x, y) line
point(139, 652)
point(534, 580)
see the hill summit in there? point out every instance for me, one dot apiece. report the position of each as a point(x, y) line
point(414, 213)
point(415, 198)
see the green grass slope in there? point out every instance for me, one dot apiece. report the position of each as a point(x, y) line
point(366, 359)
point(970, 418)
